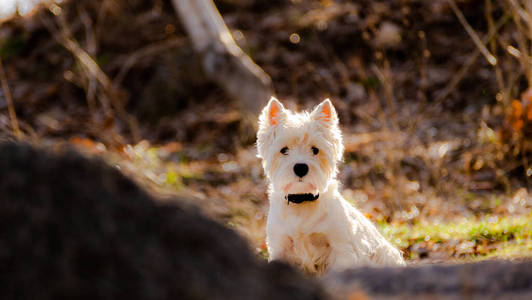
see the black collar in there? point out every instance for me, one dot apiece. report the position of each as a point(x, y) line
point(299, 198)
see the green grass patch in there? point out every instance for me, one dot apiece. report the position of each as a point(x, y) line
point(489, 237)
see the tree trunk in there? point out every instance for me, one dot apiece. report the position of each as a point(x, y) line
point(223, 61)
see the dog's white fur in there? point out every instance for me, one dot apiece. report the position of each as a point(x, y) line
point(325, 234)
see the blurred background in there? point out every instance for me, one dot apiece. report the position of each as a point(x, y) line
point(433, 99)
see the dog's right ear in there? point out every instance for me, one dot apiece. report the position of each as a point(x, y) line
point(272, 114)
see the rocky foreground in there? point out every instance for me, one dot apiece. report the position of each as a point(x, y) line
point(483, 280)
point(74, 227)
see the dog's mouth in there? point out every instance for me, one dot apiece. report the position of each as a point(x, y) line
point(299, 198)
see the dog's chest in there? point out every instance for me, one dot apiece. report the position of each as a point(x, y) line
point(310, 251)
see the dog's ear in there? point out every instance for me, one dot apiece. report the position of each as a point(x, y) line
point(272, 114)
point(325, 113)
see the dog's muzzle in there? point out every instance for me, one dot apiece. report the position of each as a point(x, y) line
point(299, 198)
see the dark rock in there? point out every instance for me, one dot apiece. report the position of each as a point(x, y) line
point(484, 280)
point(75, 228)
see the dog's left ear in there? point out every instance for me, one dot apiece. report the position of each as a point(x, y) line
point(325, 113)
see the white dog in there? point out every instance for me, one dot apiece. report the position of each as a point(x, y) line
point(310, 224)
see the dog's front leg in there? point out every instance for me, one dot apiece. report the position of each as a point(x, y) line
point(341, 259)
point(275, 253)
point(388, 255)
point(344, 257)
point(280, 247)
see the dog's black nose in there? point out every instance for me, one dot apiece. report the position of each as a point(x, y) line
point(301, 169)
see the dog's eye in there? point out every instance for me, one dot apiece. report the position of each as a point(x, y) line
point(284, 151)
point(315, 150)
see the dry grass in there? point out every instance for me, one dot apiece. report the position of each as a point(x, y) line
point(422, 223)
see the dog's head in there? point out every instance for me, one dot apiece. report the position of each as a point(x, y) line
point(299, 151)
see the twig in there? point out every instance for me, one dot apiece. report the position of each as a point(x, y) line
point(9, 100)
point(91, 43)
point(465, 68)
point(524, 15)
point(92, 86)
point(523, 39)
point(66, 38)
point(488, 11)
point(96, 72)
point(489, 57)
